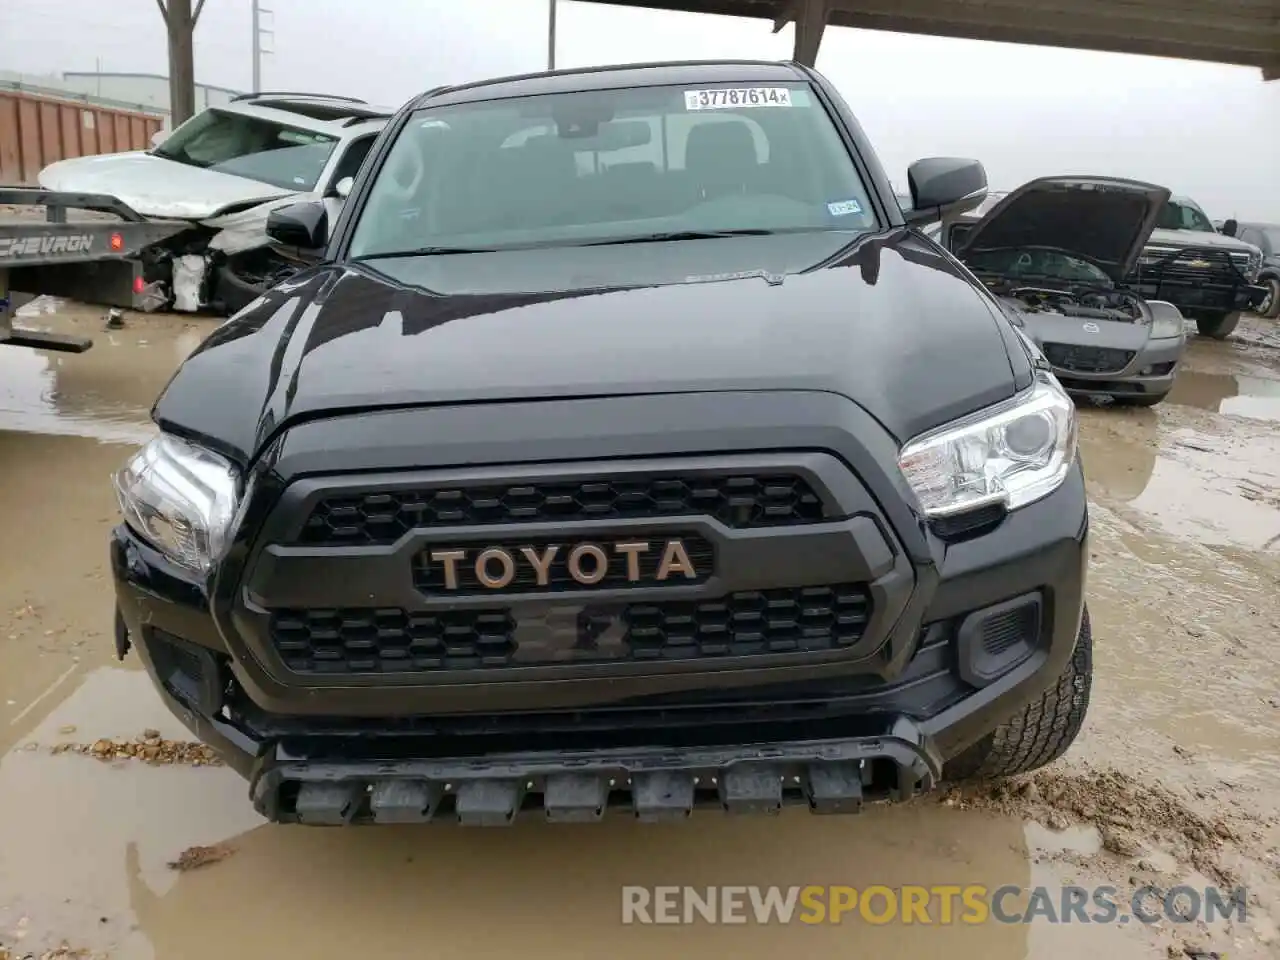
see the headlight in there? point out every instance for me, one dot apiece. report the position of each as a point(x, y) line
point(1166, 325)
point(1011, 454)
point(181, 499)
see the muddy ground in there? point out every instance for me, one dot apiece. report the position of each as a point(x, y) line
point(119, 839)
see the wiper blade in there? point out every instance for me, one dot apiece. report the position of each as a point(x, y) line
point(423, 252)
point(681, 235)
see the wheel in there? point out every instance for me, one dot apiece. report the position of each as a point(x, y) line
point(1217, 326)
point(1042, 732)
point(234, 292)
point(1270, 307)
point(1141, 400)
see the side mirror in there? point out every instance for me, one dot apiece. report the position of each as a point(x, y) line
point(1230, 227)
point(944, 186)
point(342, 189)
point(159, 137)
point(302, 226)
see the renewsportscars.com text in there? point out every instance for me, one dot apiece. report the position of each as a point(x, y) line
point(939, 905)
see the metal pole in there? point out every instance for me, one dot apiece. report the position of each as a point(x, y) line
point(551, 37)
point(257, 48)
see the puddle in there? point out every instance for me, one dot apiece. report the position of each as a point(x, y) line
point(1118, 449)
point(1220, 490)
point(97, 872)
point(55, 596)
point(103, 394)
point(70, 822)
point(1232, 395)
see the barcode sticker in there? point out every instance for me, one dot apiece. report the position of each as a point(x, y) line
point(728, 98)
point(843, 208)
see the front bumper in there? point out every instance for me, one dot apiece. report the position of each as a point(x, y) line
point(966, 626)
point(654, 783)
point(1197, 280)
point(1150, 372)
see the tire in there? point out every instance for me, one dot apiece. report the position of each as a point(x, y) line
point(1217, 326)
point(1144, 400)
point(1270, 308)
point(1042, 732)
point(234, 293)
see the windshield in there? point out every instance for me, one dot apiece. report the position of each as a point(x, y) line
point(250, 147)
point(612, 166)
point(1037, 263)
point(1182, 215)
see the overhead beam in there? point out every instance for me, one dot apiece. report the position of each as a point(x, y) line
point(1059, 30)
point(1057, 23)
point(1237, 32)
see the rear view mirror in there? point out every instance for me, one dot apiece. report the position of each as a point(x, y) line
point(342, 188)
point(614, 135)
point(942, 186)
point(304, 227)
point(1230, 227)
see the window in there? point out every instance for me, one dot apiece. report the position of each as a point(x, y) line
point(1254, 236)
point(1031, 264)
point(250, 147)
point(1184, 215)
point(351, 161)
point(611, 165)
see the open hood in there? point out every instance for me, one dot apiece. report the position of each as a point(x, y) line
point(1103, 219)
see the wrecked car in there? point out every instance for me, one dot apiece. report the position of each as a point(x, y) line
point(622, 451)
point(1209, 275)
point(218, 176)
point(1056, 252)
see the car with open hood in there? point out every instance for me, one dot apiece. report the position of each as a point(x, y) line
point(623, 448)
point(1057, 253)
point(215, 179)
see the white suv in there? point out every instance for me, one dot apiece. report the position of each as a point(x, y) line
point(225, 170)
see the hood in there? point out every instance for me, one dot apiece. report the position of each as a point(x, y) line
point(1102, 219)
point(888, 322)
point(156, 187)
point(1198, 238)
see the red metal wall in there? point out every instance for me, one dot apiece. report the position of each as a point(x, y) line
point(36, 130)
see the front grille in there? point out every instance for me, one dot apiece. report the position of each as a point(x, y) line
point(1087, 359)
point(429, 577)
point(1190, 264)
point(379, 641)
point(383, 516)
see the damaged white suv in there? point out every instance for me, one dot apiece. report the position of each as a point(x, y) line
point(224, 171)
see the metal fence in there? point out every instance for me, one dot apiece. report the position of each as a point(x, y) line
point(41, 125)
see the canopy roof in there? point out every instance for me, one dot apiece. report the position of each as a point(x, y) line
point(1240, 32)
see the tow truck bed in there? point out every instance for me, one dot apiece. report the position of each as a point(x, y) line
point(94, 258)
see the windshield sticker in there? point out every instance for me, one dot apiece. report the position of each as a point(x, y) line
point(843, 208)
point(736, 98)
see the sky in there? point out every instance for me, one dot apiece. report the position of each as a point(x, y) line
point(1210, 131)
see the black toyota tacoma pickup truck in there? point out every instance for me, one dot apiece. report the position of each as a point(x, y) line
point(624, 447)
